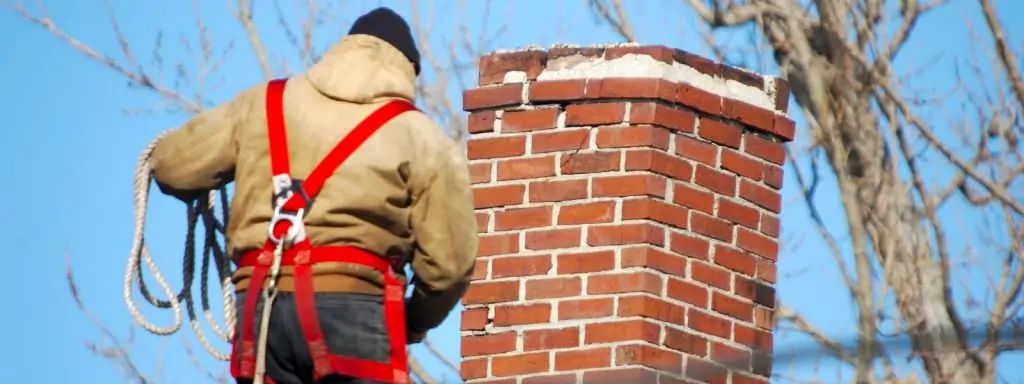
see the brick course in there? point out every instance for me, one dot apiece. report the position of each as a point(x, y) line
point(629, 225)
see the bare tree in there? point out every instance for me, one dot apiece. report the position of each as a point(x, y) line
point(898, 174)
point(184, 85)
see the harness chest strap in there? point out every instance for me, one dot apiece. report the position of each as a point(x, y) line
point(290, 199)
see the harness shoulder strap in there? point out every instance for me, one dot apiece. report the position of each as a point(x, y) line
point(277, 135)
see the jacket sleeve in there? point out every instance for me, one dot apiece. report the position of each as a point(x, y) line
point(444, 224)
point(200, 155)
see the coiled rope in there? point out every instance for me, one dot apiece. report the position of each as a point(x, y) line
point(203, 209)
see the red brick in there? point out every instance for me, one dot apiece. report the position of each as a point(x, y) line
point(526, 168)
point(480, 173)
point(529, 120)
point(493, 67)
point(492, 97)
point(594, 114)
point(629, 185)
point(522, 218)
point(491, 292)
point(622, 330)
point(479, 269)
point(784, 127)
point(508, 315)
point(773, 176)
point(711, 227)
point(720, 182)
point(760, 293)
point(742, 165)
point(627, 282)
point(757, 244)
point(686, 342)
point(650, 257)
point(743, 76)
point(738, 213)
point(551, 339)
point(761, 196)
point(689, 246)
point(659, 359)
point(474, 319)
point(497, 244)
point(585, 308)
point(732, 307)
point(697, 150)
point(700, 63)
point(586, 262)
point(556, 90)
point(633, 136)
point(473, 368)
point(590, 162)
point(734, 259)
point(494, 147)
point(553, 238)
point(551, 288)
point(583, 359)
point(705, 323)
point(661, 115)
point(651, 209)
point(623, 234)
point(560, 140)
point(480, 122)
point(693, 198)
point(766, 270)
point(496, 343)
point(652, 308)
point(772, 151)
point(730, 356)
point(516, 266)
point(699, 99)
point(687, 292)
point(770, 226)
point(499, 196)
point(659, 162)
point(764, 318)
point(502, 366)
point(482, 219)
point(557, 190)
point(753, 338)
point(715, 277)
point(719, 132)
point(705, 372)
point(750, 115)
point(587, 213)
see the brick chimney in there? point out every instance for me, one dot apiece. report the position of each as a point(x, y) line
point(628, 202)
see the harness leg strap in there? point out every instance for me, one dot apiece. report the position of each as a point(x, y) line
point(305, 304)
point(244, 354)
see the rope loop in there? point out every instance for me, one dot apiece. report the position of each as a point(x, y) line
point(201, 210)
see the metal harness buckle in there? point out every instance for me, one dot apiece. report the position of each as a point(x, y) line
point(285, 187)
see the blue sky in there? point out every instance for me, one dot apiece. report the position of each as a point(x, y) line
point(69, 151)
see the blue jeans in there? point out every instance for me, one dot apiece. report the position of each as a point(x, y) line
point(353, 326)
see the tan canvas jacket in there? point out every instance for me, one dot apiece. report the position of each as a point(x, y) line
point(406, 191)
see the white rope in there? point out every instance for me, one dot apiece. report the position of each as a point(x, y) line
point(139, 252)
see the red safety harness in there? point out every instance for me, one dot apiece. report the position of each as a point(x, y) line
point(291, 199)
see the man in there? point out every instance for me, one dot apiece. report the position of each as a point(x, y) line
point(403, 195)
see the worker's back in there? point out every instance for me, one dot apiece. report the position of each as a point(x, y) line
point(404, 193)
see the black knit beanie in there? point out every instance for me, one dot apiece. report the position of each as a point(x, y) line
point(385, 24)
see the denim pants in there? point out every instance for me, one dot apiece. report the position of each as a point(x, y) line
point(353, 326)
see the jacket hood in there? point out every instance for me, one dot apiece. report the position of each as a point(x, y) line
point(364, 69)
